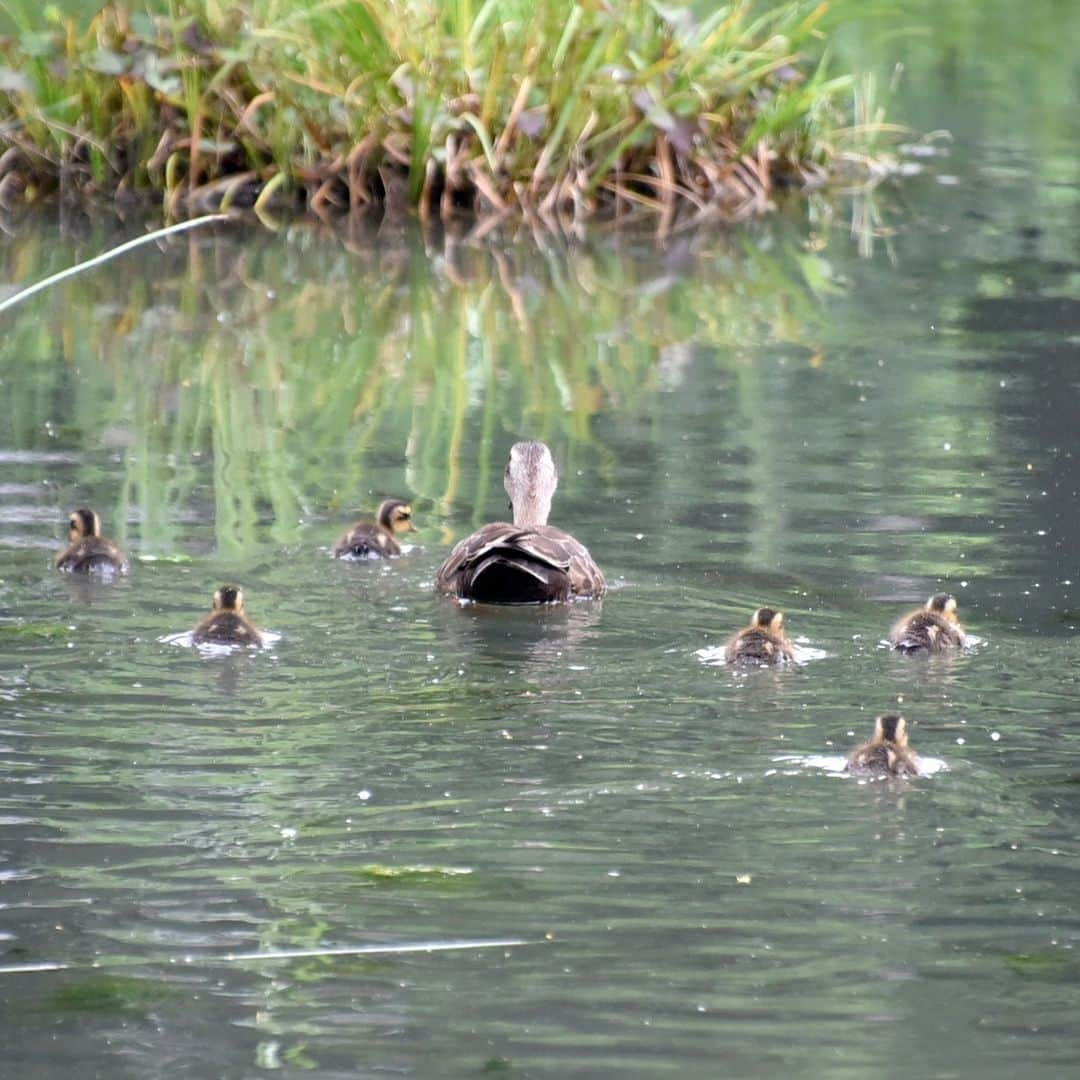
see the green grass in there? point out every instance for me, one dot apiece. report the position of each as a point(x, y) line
point(541, 108)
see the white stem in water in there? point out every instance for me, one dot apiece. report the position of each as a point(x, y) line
point(105, 256)
point(277, 954)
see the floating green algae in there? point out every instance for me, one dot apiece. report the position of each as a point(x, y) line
point(38, 631)
point(417, 875)
point(111, 993)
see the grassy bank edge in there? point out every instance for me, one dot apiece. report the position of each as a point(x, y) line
point(552, 110)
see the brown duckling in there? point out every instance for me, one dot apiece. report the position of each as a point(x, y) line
point(762, 642)
point(87, 550)
point(530, 561)
point(228, 623)
point(887, 752)
point(930, 629)
point(378, 539)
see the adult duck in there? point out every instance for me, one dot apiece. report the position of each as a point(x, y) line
point(529, 561)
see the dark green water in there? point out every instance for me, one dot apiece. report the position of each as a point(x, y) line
point(838, 425)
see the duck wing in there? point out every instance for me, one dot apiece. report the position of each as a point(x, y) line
point(902, 762)
point(868, 758)
point(510, 564)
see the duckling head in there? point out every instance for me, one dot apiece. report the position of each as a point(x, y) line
point(395, 516)
point(891, 728)
point(530, 481)
point(767, 618)
point(943, 604)
point(229, 598)
point(83, 523)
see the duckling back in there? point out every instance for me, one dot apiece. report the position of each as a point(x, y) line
point(869, 759)
point(882, 759)
point(377, 539)
point(926, 632)
point(757, 646)
point(227, 623)
point(226, 628)
point(92, 555)
point(762, 642)
point(366, 541)
point(929, 629)
point(888, 752)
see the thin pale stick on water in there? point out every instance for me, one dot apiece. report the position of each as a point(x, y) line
point(105, 256)
point(274, 954)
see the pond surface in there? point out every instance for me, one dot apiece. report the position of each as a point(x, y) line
point(789, 414)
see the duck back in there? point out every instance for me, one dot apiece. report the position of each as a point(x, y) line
point(509, 564)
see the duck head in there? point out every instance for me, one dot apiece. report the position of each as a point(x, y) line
point(83, 523)
point(229, 598)
point(891, 728)
point(944, 605)
point(395, 516)
point(770, 619)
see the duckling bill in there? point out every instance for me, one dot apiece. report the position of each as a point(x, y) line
point(529, 561)
point(887, 753)
point(87, 550)
point(933, 628)
point(228, 623)
point(377, 539)
point(762, 642)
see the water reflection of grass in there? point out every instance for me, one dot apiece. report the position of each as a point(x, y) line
point(287, 379)
point(297, 388)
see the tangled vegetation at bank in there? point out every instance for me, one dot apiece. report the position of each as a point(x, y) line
point(545, 108)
